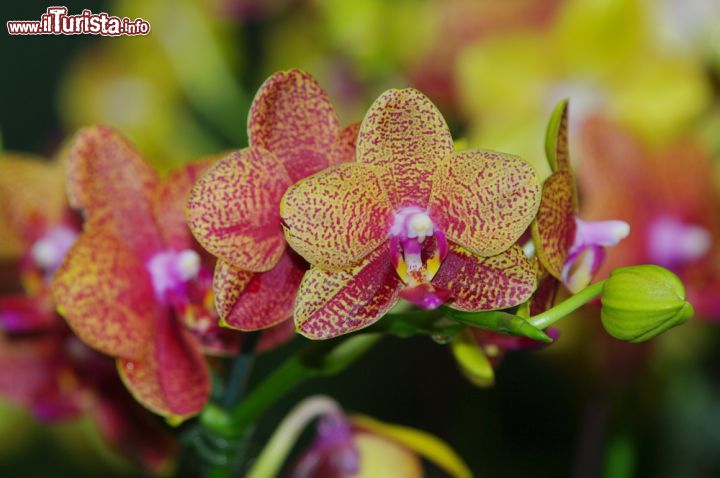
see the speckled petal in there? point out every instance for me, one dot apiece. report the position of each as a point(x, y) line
point(343, 150)
point(486, 283)
point(544, 297)
point(334, 303)
point(113, 185)
point(553, 230)
point(338, 216)
point(293, 118)
point(32, 199)
point(556, 138)
point(104, 293)
point(233, 210)
point(247, 301)
point(172, 379)
point(484, 200)
point(405, 135)
point(169, 201)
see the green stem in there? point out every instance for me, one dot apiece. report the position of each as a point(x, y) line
point(317, 359)
point(273, 456)
point(564, 308)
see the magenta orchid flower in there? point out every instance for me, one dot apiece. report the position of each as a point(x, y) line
point(233, 210)
point(669, 197)
point(356, 446)
point(409, 218)
point(43, 366)
point(134, 285)
point(570, 249)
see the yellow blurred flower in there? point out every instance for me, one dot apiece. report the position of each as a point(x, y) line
point(603, 54)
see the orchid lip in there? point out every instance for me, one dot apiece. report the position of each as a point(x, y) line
point(49, 251)
point(171, 270)
point(672, 243)
point(412, 227)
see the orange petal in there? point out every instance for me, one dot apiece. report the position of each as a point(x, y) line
point(484, 200)
point(32, 199)
point(553, 230)
point(486, 283)
point(104, 293)
point(169, 203)
point(292, 117)
point(405, 135)
point(344, 148)
point(233, 210)
point(247, 301)
point(110, 181)
point(334, 303)
point(172, 379)
point(338, 216)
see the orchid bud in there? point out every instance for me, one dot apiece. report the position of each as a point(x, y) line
point(641, 302)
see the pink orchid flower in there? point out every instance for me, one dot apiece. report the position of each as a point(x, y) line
point(233, 210)
point(44, 367)
point(570, 249)
point(410, 217)
point(135, 285)
point(668, 195)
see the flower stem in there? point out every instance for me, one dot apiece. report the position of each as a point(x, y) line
point(564, 308)
point(287, 433)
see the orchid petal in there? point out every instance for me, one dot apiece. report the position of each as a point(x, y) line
point(334, 303)
point(556, 138)
point(172, 379)
point(338, 216)
point(113, 185)
point(406, 136)
point(169, 201)
point(554, 227)
point(486, 283)
point(484, 200)
point(544, 297)
point(104, 293)
point(32, 199)
point(343, 150)
point(581, 267)
point(424, 444)
point(248, 301)
point(233, 210)
point(292, 117)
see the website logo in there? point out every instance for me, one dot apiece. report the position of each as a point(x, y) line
point(56, 21)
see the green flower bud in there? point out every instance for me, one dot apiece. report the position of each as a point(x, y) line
point(641, 302)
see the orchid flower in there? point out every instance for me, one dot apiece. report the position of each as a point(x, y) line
point(570, 249)
point(667, 194)
point(133, 285)
point(45, 367)
point(410, 217)
point(354, 446)
point(233, 210)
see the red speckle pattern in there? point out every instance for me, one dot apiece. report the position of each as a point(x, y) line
point(233, 209)
point(334, 303)
point(486, 283)
point(554, 227)
point(106, 296)
point(110, 181)
point(405, 136)
point(172, 376)
point(338, 216)
point(247, 301)
point(484, 200)
point(292, 117)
